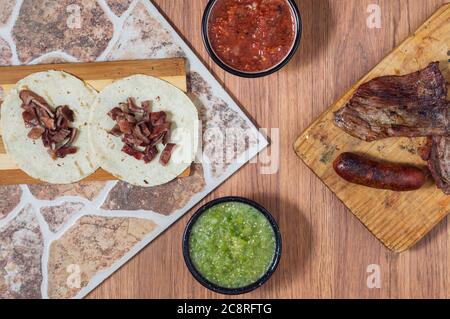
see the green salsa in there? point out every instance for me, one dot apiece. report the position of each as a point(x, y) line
point(232, 245)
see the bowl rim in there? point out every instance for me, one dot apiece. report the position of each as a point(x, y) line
point(275, 68)
point(214, 287)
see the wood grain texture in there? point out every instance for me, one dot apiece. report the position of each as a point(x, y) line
point(98, 75)
point(326, 249)
point(398, 219)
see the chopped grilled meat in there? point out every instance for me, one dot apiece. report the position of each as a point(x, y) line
point(158, 118)
point(127, 149)
point(166, 137)
point(28, 97)
point(141, 130)
point(150, 154)
point(47, 122)
point(131, 140)
point(66, 113)
point(166, 154)
point(52, 126)
point(138, 134)
point(133, 107)
point(30, 118)
point(125, 126)
point(116, 131)
point(47, 139)
point(160, 129)
point(392, 106)
point(61, 122)
point(147, 106)
point(72, 137)
point(146, 131)
point(114, 113)
point(66, 150)
point(36, 132)
point(158, 139)
point(60, 135)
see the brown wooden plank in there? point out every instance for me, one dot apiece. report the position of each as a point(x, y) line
point(162, 68)
point(17, 176)
point(399, 220)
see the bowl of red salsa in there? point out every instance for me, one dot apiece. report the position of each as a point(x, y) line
point(251, 38)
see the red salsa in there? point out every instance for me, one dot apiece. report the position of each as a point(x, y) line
point(251, 35)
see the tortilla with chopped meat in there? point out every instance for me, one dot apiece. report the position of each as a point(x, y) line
point(162, 96)
point(57, 89)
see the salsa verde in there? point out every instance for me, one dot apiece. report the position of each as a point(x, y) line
point(232, 245)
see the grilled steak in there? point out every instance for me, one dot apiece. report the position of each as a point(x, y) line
point(398, 106)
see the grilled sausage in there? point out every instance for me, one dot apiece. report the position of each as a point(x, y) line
point(363, 171)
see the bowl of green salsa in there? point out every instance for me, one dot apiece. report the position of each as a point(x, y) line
point(232, 245)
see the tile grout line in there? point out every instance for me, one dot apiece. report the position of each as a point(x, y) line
point(117, 22)
point(15, 212)
point(6, 32)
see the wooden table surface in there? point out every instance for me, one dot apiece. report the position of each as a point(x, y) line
point(326, 250)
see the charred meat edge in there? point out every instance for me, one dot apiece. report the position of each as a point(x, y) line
point(412, 105)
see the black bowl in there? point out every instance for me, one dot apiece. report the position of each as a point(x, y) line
point(214, 287)
point(275, 68)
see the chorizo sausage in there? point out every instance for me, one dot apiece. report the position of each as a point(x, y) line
point(360, 170)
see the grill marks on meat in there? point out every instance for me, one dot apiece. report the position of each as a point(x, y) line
point(142, 130)
point(52, 126)
point(398, 106)
point(166, 154)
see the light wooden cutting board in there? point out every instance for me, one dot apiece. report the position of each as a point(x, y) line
point(97, 74)
point(398, 220)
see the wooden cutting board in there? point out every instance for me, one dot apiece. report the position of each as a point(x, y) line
point(398, 220)
point(97, 74)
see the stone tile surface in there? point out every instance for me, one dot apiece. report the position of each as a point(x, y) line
point(9, 198)
point(226, 135)
point(164, 199)
point(5, 53)
point(21, 247)
point(7, 7)
point(143, 37)
point(88, 190)
point(93, 244)
point(78, 27)
point(57, 216)
point(118, 6)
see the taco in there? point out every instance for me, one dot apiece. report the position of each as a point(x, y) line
point(143, 130)
point(44, 127)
